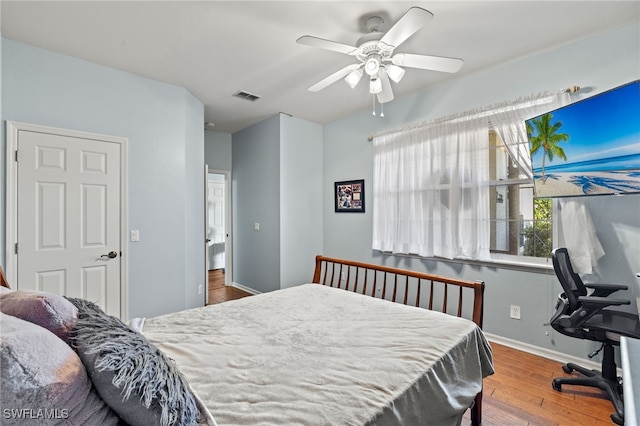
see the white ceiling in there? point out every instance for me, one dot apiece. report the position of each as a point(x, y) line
point(216, 48)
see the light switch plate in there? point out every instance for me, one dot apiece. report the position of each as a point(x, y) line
point(135, 235)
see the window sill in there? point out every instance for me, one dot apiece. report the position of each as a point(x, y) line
point(528, 264)
point(521, 264)
point(524, 265)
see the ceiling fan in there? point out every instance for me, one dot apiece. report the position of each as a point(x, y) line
point(374, 52)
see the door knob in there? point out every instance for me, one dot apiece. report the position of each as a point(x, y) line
point(111, 255)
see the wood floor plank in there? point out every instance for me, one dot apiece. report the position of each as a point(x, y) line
point(500, 411)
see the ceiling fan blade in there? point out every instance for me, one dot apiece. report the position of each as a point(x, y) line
point(406, 26)
point(387, 92)
point(427, 62)
point(333, 78)
point(328, 45)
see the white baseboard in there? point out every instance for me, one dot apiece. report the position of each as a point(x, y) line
point(543, 352)
point(245, 288)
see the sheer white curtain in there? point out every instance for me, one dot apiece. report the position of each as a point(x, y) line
point(431, 193)
point(579, 234)
point(508, 121)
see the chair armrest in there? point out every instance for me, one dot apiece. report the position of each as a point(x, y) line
point(601, 302)
point(591, 305)
point(604, 290)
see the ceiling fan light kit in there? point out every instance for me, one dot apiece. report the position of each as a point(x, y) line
point(353, 78)
point(372, 65)
point(375, 85)
point(374, 51)
point(395, 73)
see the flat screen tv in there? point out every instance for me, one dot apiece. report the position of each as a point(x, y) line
point(589, 147)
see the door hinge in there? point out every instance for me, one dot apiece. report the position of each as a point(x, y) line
point(16, 155)
point(16, 248)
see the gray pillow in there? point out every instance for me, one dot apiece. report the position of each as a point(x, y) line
point(43, 381)
point(137, 380)
point(47, 310)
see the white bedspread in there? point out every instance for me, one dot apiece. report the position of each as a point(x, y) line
point(313, 355)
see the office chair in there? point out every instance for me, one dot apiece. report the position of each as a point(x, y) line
point(581, 312)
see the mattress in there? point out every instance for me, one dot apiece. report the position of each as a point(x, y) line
point(316, 355)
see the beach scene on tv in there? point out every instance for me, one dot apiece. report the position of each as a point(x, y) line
point(591, 147)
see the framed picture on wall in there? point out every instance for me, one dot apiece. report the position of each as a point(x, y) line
point(349, 196)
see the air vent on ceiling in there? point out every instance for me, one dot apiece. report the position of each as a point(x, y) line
point(246, 96)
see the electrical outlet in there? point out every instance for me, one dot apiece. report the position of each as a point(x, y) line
point(515, 312)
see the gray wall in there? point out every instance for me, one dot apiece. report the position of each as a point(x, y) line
point(194, 204)
point(277, 182)
point(217, 150)
point(597, 64)
point(255, 197)
point(164, 126)
point(300, 199)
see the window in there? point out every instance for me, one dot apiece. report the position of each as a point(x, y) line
point(521, 225)
point(453, 188)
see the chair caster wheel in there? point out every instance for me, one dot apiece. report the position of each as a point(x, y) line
point(555, 385)
point(567, 369)
point(617, 419)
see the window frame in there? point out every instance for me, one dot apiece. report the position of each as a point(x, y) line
point(516, 259)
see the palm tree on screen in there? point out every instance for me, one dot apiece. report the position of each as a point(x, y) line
point(546, 138)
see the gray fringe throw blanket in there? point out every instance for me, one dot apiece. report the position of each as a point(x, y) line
point(117, 356)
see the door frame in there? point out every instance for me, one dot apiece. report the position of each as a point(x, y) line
point(11, 187)
point(228, 224)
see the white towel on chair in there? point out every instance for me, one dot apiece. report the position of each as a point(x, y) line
point(580, 236)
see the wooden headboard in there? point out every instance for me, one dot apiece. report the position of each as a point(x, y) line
point(410, 288)
point(3, 279)
point(448, 295)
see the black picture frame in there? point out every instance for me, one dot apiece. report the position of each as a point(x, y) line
point(349, 196)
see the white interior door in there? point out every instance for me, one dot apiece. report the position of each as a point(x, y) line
point(69, 217)
point(217, 228)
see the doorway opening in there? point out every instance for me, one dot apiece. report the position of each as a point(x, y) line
point(218, 232)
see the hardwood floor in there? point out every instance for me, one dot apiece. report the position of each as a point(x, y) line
point(518, 394)
point(218, 292)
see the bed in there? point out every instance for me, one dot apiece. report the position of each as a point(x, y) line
point(361, 344)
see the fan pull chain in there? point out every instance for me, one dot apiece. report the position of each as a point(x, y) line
point(374, 108)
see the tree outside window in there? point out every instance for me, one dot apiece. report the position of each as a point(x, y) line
point(538, 236)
